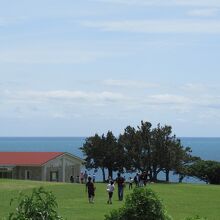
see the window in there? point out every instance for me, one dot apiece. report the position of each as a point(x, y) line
point(5, 174)
point(54, 176)
point(27, 174)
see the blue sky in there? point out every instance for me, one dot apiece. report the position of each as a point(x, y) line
point(73, 68)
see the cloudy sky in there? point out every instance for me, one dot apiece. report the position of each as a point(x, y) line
point(73, 68)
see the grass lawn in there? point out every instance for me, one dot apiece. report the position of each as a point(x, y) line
point(181, 200)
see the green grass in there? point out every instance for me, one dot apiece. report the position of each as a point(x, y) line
point(181, 200)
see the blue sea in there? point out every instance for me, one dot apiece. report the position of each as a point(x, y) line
point(206, 148)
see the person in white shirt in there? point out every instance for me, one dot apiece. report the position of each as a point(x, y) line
point(110, 189)
point(130, 181)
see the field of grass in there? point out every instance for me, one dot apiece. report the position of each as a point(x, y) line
point(181, 200)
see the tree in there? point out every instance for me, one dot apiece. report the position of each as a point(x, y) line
point(103, 152)
point(152, 150)
point(161, 152)
point(94, 153)
point(206, 170)
point(114, 155)
point(168, 153)
point(137, 147)
point(187, 161)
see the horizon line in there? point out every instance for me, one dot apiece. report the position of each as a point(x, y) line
point(90, 136)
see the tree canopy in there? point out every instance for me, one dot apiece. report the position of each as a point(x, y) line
point(147, 149)
point(103, 152)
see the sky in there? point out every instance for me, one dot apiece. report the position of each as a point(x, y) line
point(76, 68)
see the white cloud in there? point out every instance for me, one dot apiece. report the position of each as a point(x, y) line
point(74, 104)
point(133, 2)
point(129, 84)
point(157, 26)
point(185, 102)
point(196, 87)
point(169, 99)
point(64, 95)
point(48, 55)
point(100, 98)
point(195, 2)
point(207, 12)
point(59, 115)
point(159, 3)
point(209, 115)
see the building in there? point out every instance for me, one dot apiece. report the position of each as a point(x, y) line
point(40, 166)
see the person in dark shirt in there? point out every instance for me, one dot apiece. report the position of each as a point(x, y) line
point(121, 183)
point(71, 179)
point(90, 188)
point(136, 180)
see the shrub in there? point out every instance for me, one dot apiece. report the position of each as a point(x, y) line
point(40, 205)
point(142, 204)
point(196, 218)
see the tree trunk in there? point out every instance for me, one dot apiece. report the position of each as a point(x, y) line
point(167, 176)
point(103, 174)
point(110, 172)
point(154, 178)
point(150, 174)
point(181, 178)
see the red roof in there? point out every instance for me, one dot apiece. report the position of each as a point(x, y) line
point(27, 158)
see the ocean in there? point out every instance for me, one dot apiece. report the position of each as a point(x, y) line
point(206, 148)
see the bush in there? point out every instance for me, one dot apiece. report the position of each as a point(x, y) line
point(196, 218)
point(142, 204)
point(40, 205)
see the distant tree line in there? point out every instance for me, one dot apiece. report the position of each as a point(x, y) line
point(148, 149)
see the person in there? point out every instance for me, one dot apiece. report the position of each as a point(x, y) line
point(136, 180)
point(110, 189)
point(130, 181)
point(90, 188)
point(141, 180)
point(93, 177)
point(85, 176)
point(77, 179)
point(71, 179)
point(121, 183)
point(81, 177)
point(145, 178)
point(109, 179)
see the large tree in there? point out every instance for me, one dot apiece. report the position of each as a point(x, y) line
point(168, 152)
point(206, 170)
point(137, 147)
point(94, 153)
point(187, 161)
point(103, 152)
point(114, 155)
point(152, 150)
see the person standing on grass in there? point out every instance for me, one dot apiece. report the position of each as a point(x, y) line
point(71, 179)
point(141, 180)
point(85, 176)
point(136, 180)
point(93, 177)
point(121, 183)
point(90, 188)
point(130, 183)
point(145, 178)
point(110, 189)
point(109, 179)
